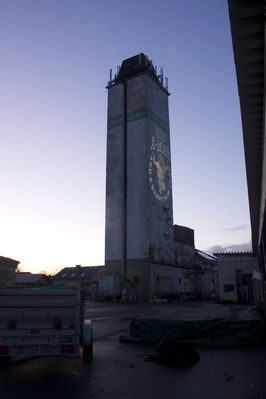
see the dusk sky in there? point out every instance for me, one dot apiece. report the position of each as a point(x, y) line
point(55, 62)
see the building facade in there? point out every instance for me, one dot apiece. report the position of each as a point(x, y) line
point(247, 19)
point(206, 275)
point(145, 254)
point(7, 272)
point(139, 212)
point(236, 271)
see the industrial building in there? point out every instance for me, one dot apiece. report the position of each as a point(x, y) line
point(143, 250)
point(7, 272)
point(206, 275)
point(247, 20)
point(238, 277)
point(139, 215)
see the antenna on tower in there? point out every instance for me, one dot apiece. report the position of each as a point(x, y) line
point(166, 83)
point(161, 76)
point(111, 73)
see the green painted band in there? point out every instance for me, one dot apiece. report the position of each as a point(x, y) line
point(115, 121)
point(137, 114)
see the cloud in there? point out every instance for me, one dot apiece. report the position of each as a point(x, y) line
point(235, 228)
point(244, 247)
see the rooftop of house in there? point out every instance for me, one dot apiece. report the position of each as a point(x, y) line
point(28, 278)
point(8, 261)
point(78, 273)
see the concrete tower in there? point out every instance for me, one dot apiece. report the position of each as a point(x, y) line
point(139, 213)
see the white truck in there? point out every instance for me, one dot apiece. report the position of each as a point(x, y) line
point(44, 321)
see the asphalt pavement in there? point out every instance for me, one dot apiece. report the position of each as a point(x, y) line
point(121, 370)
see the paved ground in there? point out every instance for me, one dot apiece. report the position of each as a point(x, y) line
point(120, 370)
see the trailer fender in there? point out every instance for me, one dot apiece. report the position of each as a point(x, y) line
point(87, 333)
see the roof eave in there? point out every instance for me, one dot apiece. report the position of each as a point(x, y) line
point(248, 29)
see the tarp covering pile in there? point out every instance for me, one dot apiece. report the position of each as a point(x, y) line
point(209, 324)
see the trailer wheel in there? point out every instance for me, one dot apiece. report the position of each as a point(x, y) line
point(87, 340)
point(88, 350)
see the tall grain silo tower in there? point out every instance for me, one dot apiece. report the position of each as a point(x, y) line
point(139, 212)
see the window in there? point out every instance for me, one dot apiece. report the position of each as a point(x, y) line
point(82, 274)
point(72, 275)
point(229, 288)
point(179, 280)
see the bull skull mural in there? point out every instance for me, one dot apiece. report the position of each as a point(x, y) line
point(159, 169)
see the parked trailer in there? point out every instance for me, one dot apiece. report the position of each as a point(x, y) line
point(44, 321)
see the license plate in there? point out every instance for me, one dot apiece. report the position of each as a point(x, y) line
point(33, 350)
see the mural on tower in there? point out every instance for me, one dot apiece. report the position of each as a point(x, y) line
point(145, 255)
point(159, 166)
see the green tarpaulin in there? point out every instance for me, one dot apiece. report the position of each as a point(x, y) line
point(203, 324)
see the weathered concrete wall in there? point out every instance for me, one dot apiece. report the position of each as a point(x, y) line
point(171, 280)
point(183, 254)
point(113, 266)
point(159, 175)
point(138, 277)
point(149, 206)
point(206, 275)
point(206, 283)
point(7, 272)
point(109, 284)
point(114, 176)
point(7, 277)
point(227, 266)
point(149, 188)
point(184, 235)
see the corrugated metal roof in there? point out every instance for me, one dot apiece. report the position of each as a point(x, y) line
point(206, 256)
point(78, 273)
point(234, 253)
